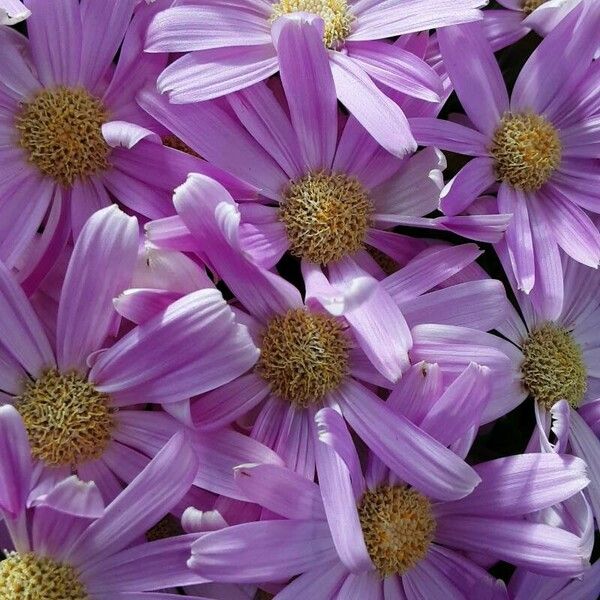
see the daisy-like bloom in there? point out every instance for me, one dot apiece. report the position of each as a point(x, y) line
point(555, 356)
point(371, 536)
point(540, 146)
point(77, 397)
point(72, 137)
point(69, 547)
point(12, 11)
point(233, 46)
point(507, 25)
point(310, 357)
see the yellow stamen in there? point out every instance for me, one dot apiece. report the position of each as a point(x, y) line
point(326, 216)
point(398, 527)
point(31, 577)
point(61, 131)
point(527, 150)
point(303, 356)
point(335, 13)
point(553, 368)
point(67, 420)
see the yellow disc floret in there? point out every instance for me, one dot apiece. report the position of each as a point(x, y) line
point(526, 149)
point(67, 420)
point(335, 13)
point(31, 577)
point(398, 527)
point(61, 131)
point(326, 216)
point(553, 368)
point(303, 356)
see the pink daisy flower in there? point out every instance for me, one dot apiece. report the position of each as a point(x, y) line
point(556, 358)
point(69, 546)
point(336, 535)
point(233, 46)
point(79, 400)
point(540, 146)
point(72, 137)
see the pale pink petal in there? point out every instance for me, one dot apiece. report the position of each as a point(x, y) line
point(108, 244)
point(308, 86)
point(209, 74)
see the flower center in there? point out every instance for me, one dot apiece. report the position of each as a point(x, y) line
point(553, 368)
point(67, 420)
point(326, 216)
point(527, 150)
point(262, 595)
point(335, 13)
point(530, 5)
point(303, 356)
point(167, 527)
point(61, 130)
point(31, 577)
point(398, 526)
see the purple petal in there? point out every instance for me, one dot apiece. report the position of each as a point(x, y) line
point(587, 445)
point(370, 106)
point(12, 11)
point(145, 501)
point(157, 565)
point(213, 218)
point(194, 346)
point(103, 27)
point(281, 490)
point(229, 402)
point(321, 582)
point(19, 325)
point(477, 304)
point(518, 235)
point(265, 118)
point(308, 86)
point(428, 270)
point(522, 484)
point(107, 244)
point(377, 323)
point(340, 507)
point(409, 452)
point(56, 57)
point(188, 28)
point(209, 74)
point(548, 292)
point(377, 20)
point(262, 551)
point(398, 69)
point(332, 430)
point(221, 452)
point(540, 548)
point(469, 183)
point(475, 74)
point(15, 467)
point(460, 407)
point(450, 136)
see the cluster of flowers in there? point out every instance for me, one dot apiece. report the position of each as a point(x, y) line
point(246, 350)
